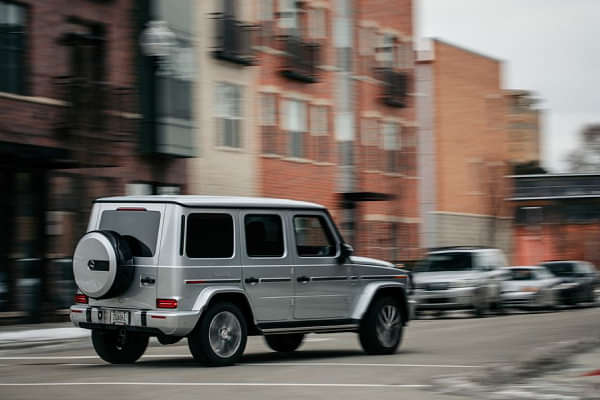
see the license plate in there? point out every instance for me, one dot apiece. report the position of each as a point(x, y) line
point(119, 317)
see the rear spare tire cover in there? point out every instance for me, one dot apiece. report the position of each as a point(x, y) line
point(102, 264)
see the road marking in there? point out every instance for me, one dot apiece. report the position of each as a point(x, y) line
point(316, 339)
point(268, 384)
point(306, 364)
point(361, 365)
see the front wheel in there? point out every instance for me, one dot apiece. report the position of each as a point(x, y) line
point(381, 328)
point(284, 343)
point(220, 337)
point(119, 347)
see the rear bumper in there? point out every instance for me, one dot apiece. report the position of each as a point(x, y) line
point(519, 299)
point(172, 323)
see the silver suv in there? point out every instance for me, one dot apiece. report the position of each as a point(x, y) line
point(217, 269)
point(460, 278)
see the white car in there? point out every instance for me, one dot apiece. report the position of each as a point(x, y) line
point(530, 287)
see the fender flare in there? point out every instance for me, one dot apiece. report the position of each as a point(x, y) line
point(369, 293)
point(207, 294)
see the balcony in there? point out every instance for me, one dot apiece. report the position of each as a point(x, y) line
point(395, 87)
point(94, 118)
point(301, 59)
point(234, 41)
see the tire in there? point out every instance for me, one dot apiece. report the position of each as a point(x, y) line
point(284, 343)
point(119, 349)
point(381, 328)
point(103, 264)
point(220, 336)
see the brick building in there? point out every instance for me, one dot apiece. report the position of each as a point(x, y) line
point(463, 149)
point(557, 217)
point(73, 128)
point(319, 109)
point(523, 127)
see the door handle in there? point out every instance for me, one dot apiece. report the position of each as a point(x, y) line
point(251, 281)
point(147, 280)
point(303, 279)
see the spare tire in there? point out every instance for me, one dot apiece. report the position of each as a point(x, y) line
point(103, 264)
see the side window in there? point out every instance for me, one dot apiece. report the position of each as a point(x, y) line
point(209, 236)
point(264, 235)
point(313, 237)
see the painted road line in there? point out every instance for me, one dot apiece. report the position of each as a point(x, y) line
point(223, 384)
point(275, 364)
point(316, 340)
point(284, 364)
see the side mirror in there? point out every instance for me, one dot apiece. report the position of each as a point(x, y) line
point(345, 252)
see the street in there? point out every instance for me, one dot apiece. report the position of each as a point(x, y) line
point(327, 366)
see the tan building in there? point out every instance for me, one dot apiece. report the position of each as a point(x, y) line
point(462, 148)
point(226, 162)
point(523, 127)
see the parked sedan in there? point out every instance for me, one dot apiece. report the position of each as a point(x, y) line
point(578, 280)
point(530, 287)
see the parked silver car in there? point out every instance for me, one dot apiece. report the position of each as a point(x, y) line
point(217, 269)
point(460, 278)
point(530, 287)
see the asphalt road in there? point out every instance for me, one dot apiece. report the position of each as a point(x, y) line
point(326, 367)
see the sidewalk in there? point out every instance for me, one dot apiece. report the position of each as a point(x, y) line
point(25, 336)
point(569, 371)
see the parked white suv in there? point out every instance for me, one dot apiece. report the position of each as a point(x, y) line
point(216, 269)
point(460, 278)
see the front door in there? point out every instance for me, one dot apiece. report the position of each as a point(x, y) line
point(323, 289)
point(267, 264)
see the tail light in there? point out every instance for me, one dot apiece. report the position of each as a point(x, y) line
point(81, 298)
point(166, 303)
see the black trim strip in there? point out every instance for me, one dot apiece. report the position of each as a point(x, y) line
point(271, 280)
point(182, 235)
point(329, 278)
point(88, 314)
point(208, 281)
point(106, 327)
point(307, 324)
point(224, 206)
point(384, 277)
point(144, 318)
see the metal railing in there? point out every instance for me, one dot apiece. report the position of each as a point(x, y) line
point(395, 87)
point(234, 40)
point(301, 59)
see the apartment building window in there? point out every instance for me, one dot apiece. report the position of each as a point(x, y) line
point(229, 114)
point(391, 146)
point(386, 50)
point(288, 16)
point(12, 48)
point(405, 55)
point(295, 126)
point(319, 129)
point(268, 122)
point(317, 23)
point(370, 139)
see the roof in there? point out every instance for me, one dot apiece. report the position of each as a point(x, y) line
point(214, 201)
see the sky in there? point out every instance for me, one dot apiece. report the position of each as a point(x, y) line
point(551, 47)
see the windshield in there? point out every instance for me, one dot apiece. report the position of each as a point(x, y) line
point(523, 274)
point(459, 261)
point(560, 268)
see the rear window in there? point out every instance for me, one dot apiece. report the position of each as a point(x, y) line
point(209, 236)
point(459, 261)
point(560, 268)
point(139, 228)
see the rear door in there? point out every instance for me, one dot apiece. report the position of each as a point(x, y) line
point(142, 226)
point(267, 264)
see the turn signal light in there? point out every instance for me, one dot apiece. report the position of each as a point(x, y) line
point(81, 298)
point(166, 303)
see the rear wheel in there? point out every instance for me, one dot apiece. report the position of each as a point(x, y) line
point(381, 328)
point(284, 343)
point(220, 337)
point(119, 347)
